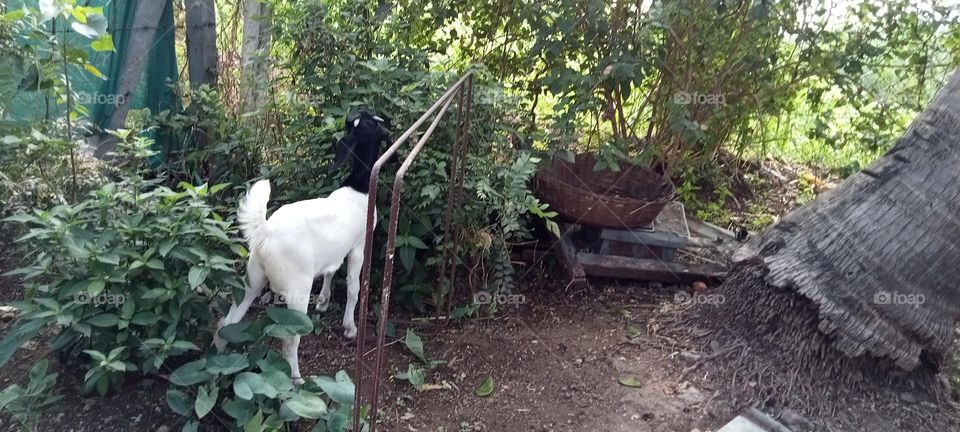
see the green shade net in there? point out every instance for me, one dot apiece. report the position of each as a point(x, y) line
point(99, 95)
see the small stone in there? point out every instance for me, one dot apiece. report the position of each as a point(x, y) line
point(30, 345)
point(163, 428)
point(578, 361)
point(908, 398)
point(795, 420)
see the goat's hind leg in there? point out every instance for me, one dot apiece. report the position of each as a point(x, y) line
point(298, 298)
point(354, 265)
point(323, 302)
point(257, 280)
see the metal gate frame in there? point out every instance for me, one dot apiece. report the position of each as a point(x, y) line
point(463, 92)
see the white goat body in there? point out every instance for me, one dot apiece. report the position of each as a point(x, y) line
point(299, 242)
point(303, 239)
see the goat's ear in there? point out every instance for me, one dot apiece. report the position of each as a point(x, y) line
point(353, 119)
point(343, 151)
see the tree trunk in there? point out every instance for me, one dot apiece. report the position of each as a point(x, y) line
point(144, 28)
point(254, 53)
point(201, 42)
point(876, 257)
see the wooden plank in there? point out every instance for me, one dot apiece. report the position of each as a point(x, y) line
point(649, 269)
point(662, 239)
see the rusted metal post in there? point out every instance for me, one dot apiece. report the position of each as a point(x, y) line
point(361, 369)
point(457, 186)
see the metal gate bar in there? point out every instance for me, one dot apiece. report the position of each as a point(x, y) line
point(463, 89)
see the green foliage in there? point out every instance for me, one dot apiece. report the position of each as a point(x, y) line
point(416, 373)
point(38, 162)
point(27, 405)
point(341, 63)
point(255, 388)
point(127, 273)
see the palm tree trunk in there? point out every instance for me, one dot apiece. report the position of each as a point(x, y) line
point(873, 264)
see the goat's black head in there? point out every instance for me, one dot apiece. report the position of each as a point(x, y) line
point(365, 132)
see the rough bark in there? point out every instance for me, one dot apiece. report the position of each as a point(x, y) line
point(201, 42)
point(877, 256)
point(144, 28)
point(254, 53)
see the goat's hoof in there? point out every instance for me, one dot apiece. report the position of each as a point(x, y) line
point(298, 381)
point(322, 307)
point(350, 333)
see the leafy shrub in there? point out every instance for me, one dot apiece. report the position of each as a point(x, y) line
point(337, 60)
point(127, 274)
point(28, 405)
point(255, 388)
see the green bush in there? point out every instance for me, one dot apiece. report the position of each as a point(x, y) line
point(342, 61)
point(128, 274)
point(255, 388)
point(28, 404)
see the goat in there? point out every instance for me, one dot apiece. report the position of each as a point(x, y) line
point(309, 238)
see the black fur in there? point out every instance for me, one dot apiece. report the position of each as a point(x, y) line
point(361, 145)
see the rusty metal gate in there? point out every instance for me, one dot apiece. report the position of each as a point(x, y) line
point(364, 373)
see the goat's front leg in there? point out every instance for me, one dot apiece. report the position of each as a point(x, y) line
point(323, 302)
point(298, 298)
point(257, 280)
point(354, 265)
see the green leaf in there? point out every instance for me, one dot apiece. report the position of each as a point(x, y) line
point(103, 43)
point(288, 323)
point(206, 399)
point(239, 409)
point(629, 381)
point(109, 258)
point(255, 424)
point(95, 287)
point(340, 391)
point(226, 364)
point(415, 345)
point(306, 404)
point(248, 384)
point(197, 275)
point(165, 247)
point(407, 256)
point(13, 16)
point(237, 332)
point(93, 70)
point(178, 401)
point(190, 373)
point(416, 242)
point(485, 389)
point(104, 320)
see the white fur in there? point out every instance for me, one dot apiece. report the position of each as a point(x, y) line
point(299, 242)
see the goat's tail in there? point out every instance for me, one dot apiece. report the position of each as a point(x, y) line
point(252, 214)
